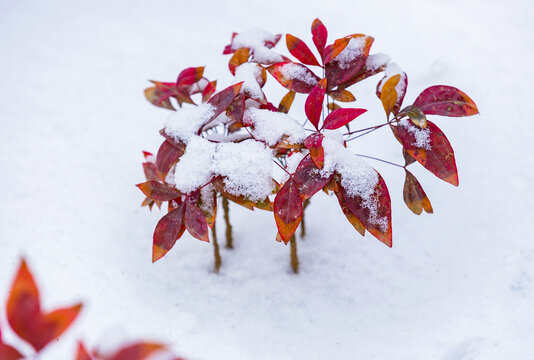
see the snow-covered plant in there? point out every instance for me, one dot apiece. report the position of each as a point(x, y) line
point(229, 144)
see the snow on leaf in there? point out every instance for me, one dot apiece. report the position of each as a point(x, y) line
point(294, 76)
point(331, 51)
point(287, 210)
point(430, 148)
point(446, 101)
point(349, 61)
point(187, 122)
point(271, 127)
point(392, 88)
point(300, 50)
point(26, 318)
point(309, 179)
point(250, 74)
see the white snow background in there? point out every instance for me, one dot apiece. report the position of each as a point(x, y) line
point(458, 284)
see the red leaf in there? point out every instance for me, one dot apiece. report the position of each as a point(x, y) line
point(168, 155)
point(294, 76)
point(357, 224)
point(224, 98)
point(430, 148)
point(9, 353)
point(414, 195)
point(300, 50)
point(157, 191)
point(378, 64)
point(236, 110)
point(308, 179)
point(314, 143)
point(320, 35)
point(287, 210)
point(189, 76)
point(169, 229)
point(195, 222)
point(24, 312)
point(379, 223)
point(138, 351)
point(209, 90)
point(343, 68)
point(314, 103)
point(150, 170)
point(331, 51)
point(341, 117)
point(446, 101)
point(82, 353)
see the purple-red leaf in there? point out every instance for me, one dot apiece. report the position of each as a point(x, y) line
point(150, 170)
point(169, 229)
point(314, 103)
point(224, 98)
point(168, 155)
point(320, 35)
point(308, 179)
point(341, 117)
point(195, 222)
point(208, 91)
point(446, 101)
point(236, 110)
point(350, 61)
point(287, 210)
point(430, 148)
point(414, 195)
point(300, 50)
point(294, 76)
point(157, 191)
point(189, 76)
point(357, 224)
point(314, 143)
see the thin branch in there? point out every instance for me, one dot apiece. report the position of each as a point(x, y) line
point(377, 159)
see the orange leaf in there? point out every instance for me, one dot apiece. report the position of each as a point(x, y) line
point(389, 95)
point(331, 51)
point(285, 103)
point(239, 57)
point(414, 195)
point(342, 95)
point(159, 98)
point(24, 312)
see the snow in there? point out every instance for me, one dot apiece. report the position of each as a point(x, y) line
point(457, 285)
point(422, 136)
point(357, 177)
point(255, 39)
point(185, 122)
point(271, 127)
point(393, 69)
point(294, 71)
point(246, 167)
point(376, 61)
point(349, 53)
point(250, 73)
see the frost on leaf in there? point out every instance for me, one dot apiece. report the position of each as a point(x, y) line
point(260, 43)
point(294, 76)
point(271, 127)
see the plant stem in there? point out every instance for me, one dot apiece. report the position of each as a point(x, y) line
point(218, 260)
point(302, 224)
point(294, 256)
point(377, 159)
point(229, 238)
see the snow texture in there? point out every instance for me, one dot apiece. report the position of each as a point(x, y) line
point(255, 39)
point(457, 284)
point(357, 177)
point(246, 167)
point(294, 71)
point(352, 51)
point(250, 74)
point(376, 61)
point(271, 127)
point(187, 121)
point(422, 136)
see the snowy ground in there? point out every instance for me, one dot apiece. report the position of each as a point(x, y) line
point(458, 284)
